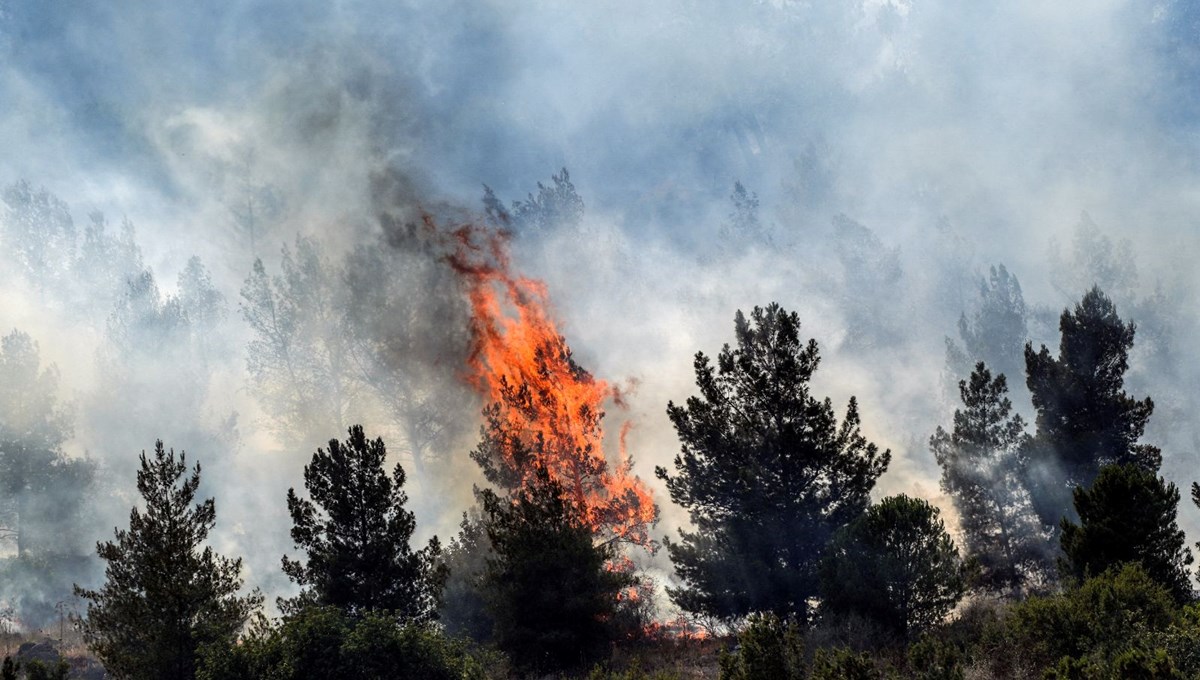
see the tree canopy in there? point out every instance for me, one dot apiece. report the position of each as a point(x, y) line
point(766, 473)
point(355, 533)
point(549, 589)
point(1085, 419)
point(896, 566)
point(166, 594)
point(1128, 516)
point(983, 472)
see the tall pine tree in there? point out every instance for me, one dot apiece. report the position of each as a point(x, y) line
point(983, 471)
point(165, 595)
point(1085, 419)
point(355, 532)
point(766, 473)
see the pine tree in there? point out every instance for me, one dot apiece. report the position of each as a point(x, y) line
point(983, 471)
point(1128, 516)
point(895, 565)
point(996, 331)
point(355, 532)
point(44, 523)
point(164, 596)
point(1085, 419)
point(766, 473)
point(549, 589)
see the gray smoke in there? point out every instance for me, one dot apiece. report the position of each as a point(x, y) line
point(889, 154)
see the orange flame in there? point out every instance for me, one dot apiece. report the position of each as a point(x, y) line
point(546, 407)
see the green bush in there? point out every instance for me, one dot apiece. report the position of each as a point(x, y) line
point(635, 672)
point(1102, 619)
point(843, 664)
point(1134, 664)
point(769, 647)
point(316, 643)
point(933, 658)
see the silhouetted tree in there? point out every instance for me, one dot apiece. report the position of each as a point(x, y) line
point(164, 596)
point(743, 223)
point(43, 493)
point(355, 533)
point(1085, 419)
point(1128, 516)
point(895, 565)
point(549, 589)
point(983, 471)
point(464, 609)
point(996, 332)
point(553, 207)
point(105, 265)
point(766, 473)
point(1094, 260)
point(33, 427)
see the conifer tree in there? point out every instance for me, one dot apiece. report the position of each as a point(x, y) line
point(165, 595)
point(1085, 419)
point(1128, 516)
point(549, 589)
point(983, 471)
point(895, 566)
point(766, 473)
point(355, 532)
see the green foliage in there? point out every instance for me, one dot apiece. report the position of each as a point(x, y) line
point(983, 472)
point(843, 664)
point(355, 532)
point(768, 647)
point(324, 643)
point(1085, 419)
point(766, 473)
point(8, 671)
point(633, 673)
point(1128, 515)
point(932, 658)
point(1105, 616)
point(1134, 664)
point(164, 596)
point(550, 591)
point(895, 565)
point(464, 606)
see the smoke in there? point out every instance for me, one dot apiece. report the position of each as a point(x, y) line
point(895, 151)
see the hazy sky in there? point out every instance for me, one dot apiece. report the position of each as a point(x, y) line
point(962, 134)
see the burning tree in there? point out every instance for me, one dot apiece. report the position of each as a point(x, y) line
point(545, 411)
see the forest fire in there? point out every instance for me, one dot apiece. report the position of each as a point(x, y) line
point(546, 410)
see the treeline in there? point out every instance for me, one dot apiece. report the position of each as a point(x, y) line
point(786, 546)
point(1068, 561)
point(1072, 562)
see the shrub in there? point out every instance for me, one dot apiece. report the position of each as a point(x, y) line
point(843, 664)
point(769, 647)
point(316, 643)
point(1105, 617)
